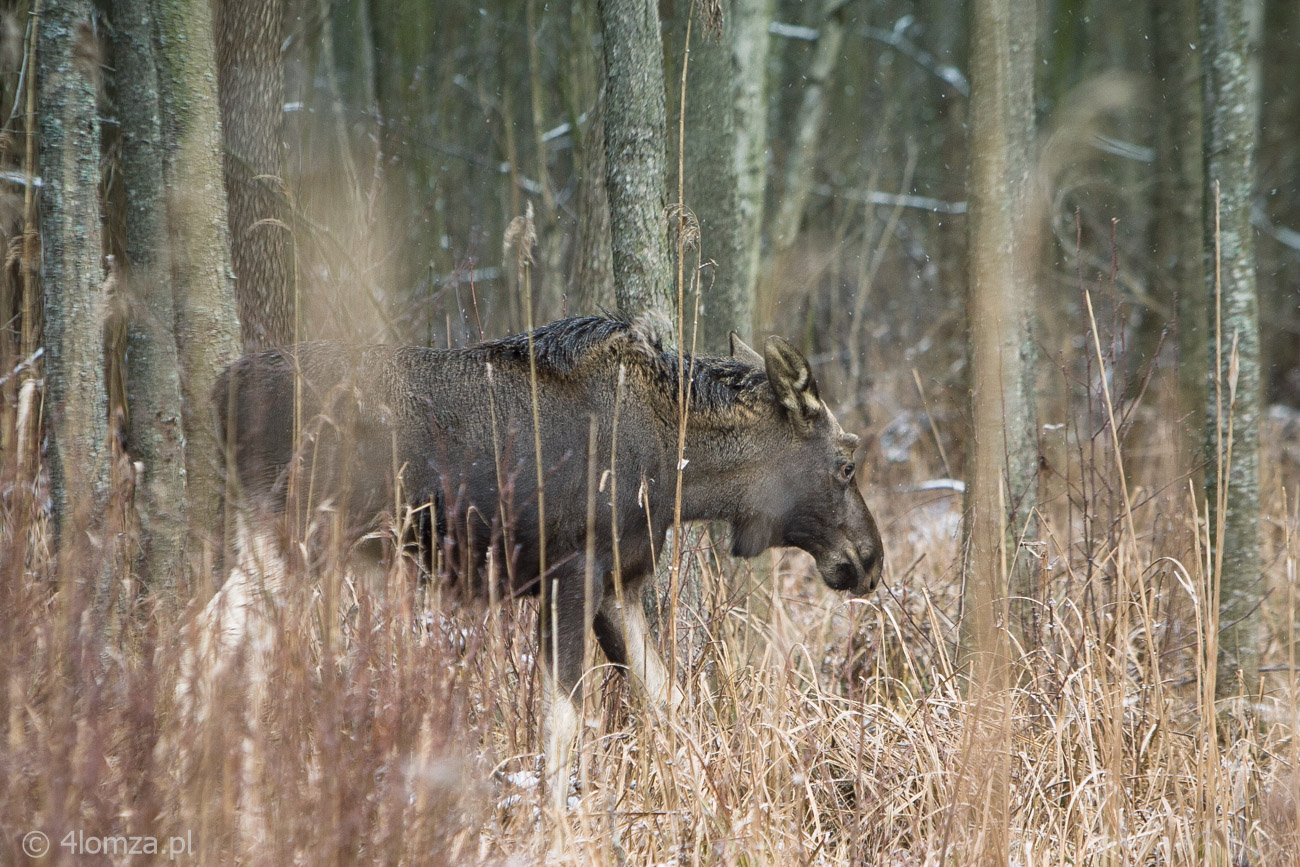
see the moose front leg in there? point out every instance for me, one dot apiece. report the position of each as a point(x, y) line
point(566, 615)
point(625, 637)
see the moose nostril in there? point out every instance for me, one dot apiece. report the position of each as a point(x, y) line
point(845, 577)
point(870, 561)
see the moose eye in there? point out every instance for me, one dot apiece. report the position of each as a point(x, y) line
point(847, 471)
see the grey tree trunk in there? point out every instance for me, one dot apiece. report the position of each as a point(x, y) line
point(1002, 461)
point(75, 398)
point(207, 326)
point(710, 182)
point(808, 127)
point(635, 156)
point(252, 109)
point(1177, 266)
point(593, 280)
point(636, 173)
point(724, 86)
point(156, 433)
point(594, 271)
point(1001, 450)
point(1233, 400)
point(750, 45)
point(1279, 164)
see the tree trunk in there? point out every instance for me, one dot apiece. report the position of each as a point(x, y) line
point(710, 182)
point(75, 397)
point(1177, 258)
point(252, 108)
point(1279, 164)
point(593, 270)
point(207, 327)
point(1001, 457)
point(749, 52)
point(808, 127)
point(155, 435)
point(1232, 478)
point(1000, 490)
point(635, 156)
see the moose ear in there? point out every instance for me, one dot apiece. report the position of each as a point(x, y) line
point(741, 351)
point(792, 381)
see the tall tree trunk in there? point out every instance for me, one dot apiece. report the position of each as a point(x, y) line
point(1279, 164)
point(593, 269)
point(1232, 479)
point(155, 436)
point(808, 127)
point(635, 156)
point(410, 110)
point(635, 164)
point(252, 107)
point(714, 150)
point(749, 52)
point(1177, 258)
point(75, 398)
point(207, 326)
point(710, 182)
point(1000, 490)
point(11, 294)
point(550, 239)
point(1002, 453)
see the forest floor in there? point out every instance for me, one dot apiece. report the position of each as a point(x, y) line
point(395, 726)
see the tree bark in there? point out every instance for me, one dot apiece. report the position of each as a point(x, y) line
point(1177, 266)
point(1233, 404)
point(75, 398)
point(1278, 165)
point(252, 107)
point(635, 156)
point(207, 326)
point(593, 271)
point(1000, 490)
point(710, 182)
point(155, 434)
point(750, 44)
point(808, 127)
point(1001, 457)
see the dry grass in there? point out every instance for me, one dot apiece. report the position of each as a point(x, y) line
point(395, 724)
point(817, 731)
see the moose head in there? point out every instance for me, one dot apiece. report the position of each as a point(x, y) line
point(804, 491)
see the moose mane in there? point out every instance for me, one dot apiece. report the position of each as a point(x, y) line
point(719, 386)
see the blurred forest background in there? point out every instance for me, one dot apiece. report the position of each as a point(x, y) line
point(374, 154)
point(885, 183)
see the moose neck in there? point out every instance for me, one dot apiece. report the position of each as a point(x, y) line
point(726, 405)
point(717, 467)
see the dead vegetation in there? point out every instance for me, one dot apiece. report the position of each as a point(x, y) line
point(398, 725)
point(395, 724)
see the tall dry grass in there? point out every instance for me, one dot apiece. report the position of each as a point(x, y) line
point(398, 723)
point(394, 723)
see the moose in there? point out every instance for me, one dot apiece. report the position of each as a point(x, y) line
point(591, 408)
